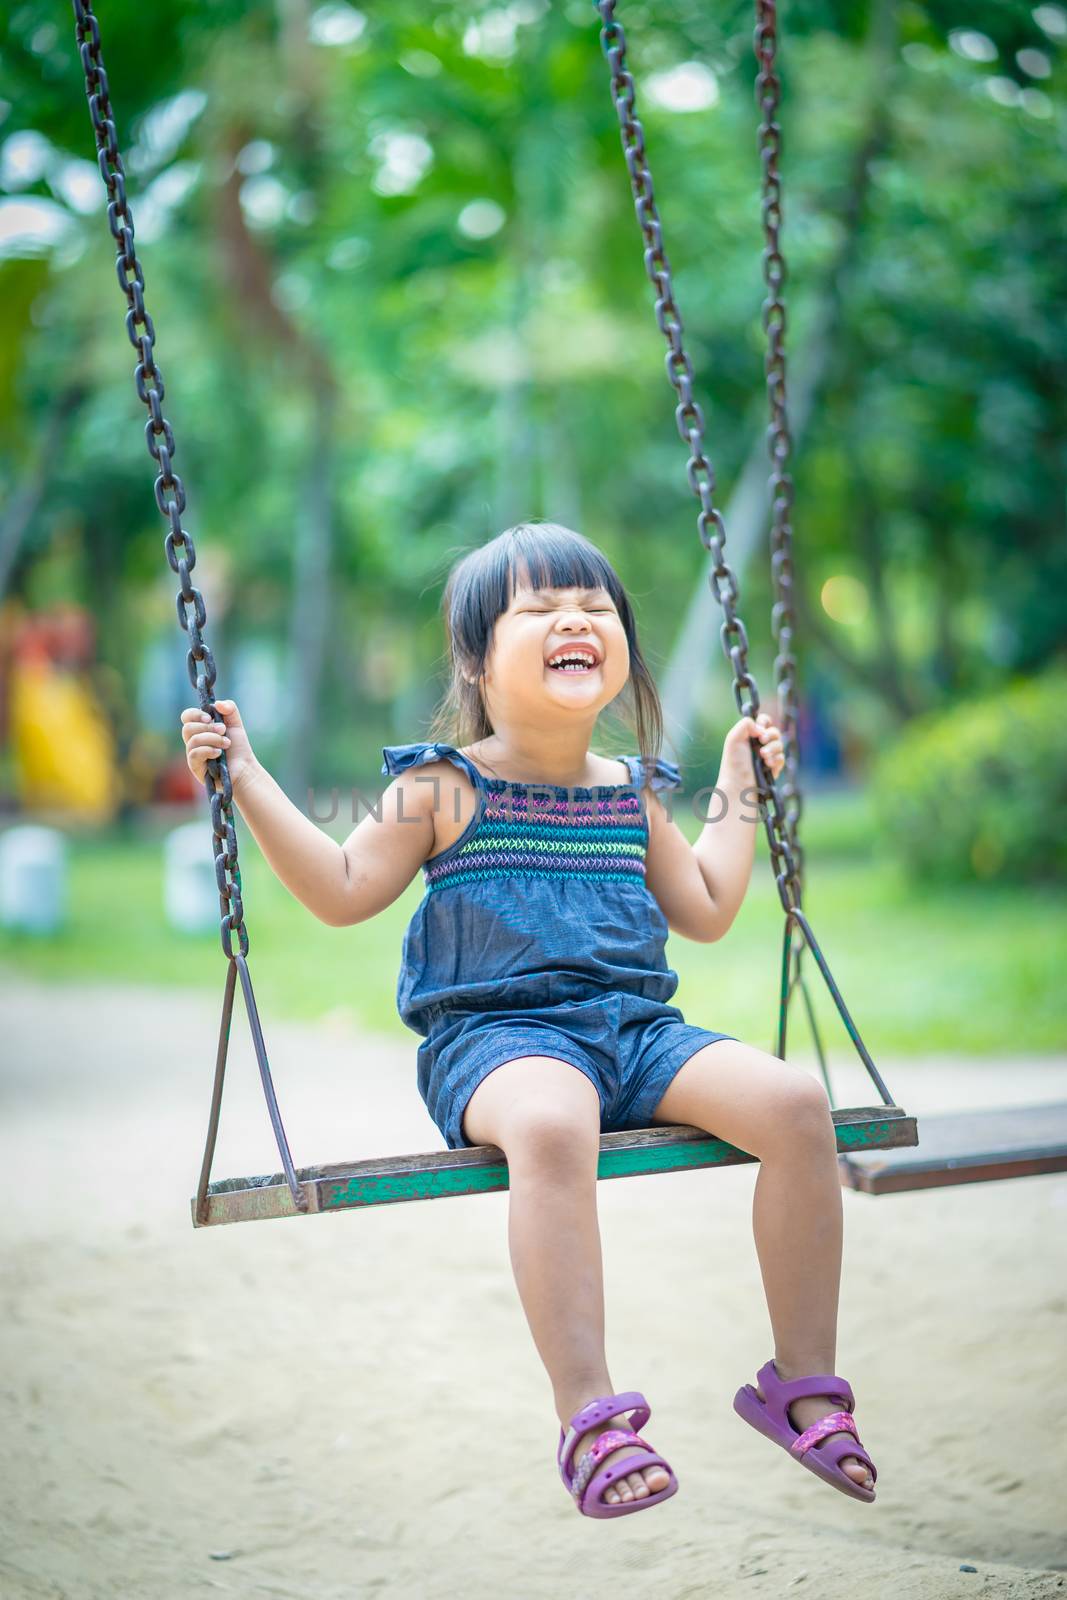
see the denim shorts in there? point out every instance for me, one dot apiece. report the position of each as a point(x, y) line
point(630, 1049)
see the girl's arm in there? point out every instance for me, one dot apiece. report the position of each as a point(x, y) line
point(700, 887)
point(341, 884)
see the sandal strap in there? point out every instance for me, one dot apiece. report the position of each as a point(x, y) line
point(611, 1405)
point(836, 1422)
point(599, 1411)
point(781, 1392)
point(835, 1451)
point(603, 1445)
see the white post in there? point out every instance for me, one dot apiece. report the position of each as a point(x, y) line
point(33, 878)
point(190, 889)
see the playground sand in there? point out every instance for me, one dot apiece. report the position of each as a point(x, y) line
point(351, 1406)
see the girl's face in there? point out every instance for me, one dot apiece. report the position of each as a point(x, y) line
point(543, 625)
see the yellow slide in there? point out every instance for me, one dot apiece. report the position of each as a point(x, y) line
point(64, 750)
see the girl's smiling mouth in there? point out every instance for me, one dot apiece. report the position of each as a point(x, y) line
point(574, 658)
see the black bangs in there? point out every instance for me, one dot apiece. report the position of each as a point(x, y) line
point(481, 586)
point(549, 556)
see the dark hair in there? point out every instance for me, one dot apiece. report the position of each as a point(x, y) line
point(480, 588)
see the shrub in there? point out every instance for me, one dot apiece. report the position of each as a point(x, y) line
point(980, 791)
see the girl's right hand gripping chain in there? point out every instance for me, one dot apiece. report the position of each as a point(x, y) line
point(205, 738)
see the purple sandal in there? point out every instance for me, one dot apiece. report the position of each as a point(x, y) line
point(771, 1417)
point(580, 1481)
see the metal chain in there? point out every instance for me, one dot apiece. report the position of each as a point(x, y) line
point(169, 489)
point(779, 439)
point(690, 421)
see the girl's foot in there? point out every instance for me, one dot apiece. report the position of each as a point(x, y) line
point(802, 1413)
point(635, 1485)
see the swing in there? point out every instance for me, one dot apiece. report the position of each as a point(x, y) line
point(662, 1148)
point(968, 1147)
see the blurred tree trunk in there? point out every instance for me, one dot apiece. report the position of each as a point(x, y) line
point(688, 684)
point(516, 436)
point(563, 490)
point(28, 494)
point(871, 546)
point(946, 591)
point(811, 622)
point(309, 617)
point(311, 613)
point(879, 666)
point(251, 274)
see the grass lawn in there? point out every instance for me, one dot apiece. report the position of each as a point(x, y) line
point(977, 969)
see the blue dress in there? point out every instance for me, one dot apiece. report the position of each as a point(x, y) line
point(538, 935)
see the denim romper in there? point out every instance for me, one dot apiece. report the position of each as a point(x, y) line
point(537, 935)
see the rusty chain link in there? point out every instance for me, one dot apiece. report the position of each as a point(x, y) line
point(690, 422)
point(169, 489)
point(779, 440)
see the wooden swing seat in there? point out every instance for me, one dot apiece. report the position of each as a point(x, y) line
point(966, 1147)
point(481, 1169)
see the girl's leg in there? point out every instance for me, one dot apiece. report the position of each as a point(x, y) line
point(545, 1115)
point(778, 1112)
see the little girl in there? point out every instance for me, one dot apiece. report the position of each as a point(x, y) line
point(534, 968)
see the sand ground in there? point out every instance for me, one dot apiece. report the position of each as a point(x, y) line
point(344, 1406)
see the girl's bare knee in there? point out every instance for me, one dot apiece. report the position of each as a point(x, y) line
point(542, 1137)
point(800, 1113)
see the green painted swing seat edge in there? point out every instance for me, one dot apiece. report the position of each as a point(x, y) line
point(481, 1169)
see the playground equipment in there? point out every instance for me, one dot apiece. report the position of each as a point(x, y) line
point(190, 892)
point(33, 879)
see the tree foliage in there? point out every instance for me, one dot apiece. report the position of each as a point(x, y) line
point(423, 212)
